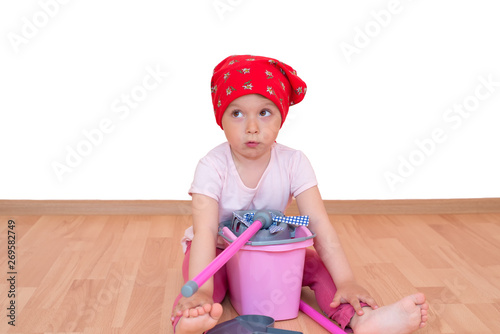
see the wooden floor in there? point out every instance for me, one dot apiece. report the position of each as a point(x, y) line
point(120, 274)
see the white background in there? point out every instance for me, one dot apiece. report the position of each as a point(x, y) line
point(66, 65)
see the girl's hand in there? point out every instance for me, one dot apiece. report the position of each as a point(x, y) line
point(353, 293)
point(185, 304)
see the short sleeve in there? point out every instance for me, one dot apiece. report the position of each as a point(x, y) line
point(302, 174)
point(207, 180)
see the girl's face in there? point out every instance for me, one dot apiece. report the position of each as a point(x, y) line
point(251, 124)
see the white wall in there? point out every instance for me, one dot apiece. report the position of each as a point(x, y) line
point(382, 76)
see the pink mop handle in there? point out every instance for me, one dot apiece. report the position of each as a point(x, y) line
point(192, 286)
point(320, 319)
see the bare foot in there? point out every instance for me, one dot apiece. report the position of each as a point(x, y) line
point(402, 317)
point(199, 319)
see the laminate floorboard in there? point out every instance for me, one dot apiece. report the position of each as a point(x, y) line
point(120, 274)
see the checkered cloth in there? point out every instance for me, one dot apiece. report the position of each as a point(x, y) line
point(247, 219)
point(292, 220)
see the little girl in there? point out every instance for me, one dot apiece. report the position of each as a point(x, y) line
point(251, 96)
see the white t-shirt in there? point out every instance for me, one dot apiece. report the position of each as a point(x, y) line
point(288, 174)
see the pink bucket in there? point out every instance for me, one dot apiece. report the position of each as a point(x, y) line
point(265, 278)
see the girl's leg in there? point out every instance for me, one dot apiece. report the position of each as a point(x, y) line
point(220, 280)
point(317, 277)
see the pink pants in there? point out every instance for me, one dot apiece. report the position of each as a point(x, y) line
point(315, 276)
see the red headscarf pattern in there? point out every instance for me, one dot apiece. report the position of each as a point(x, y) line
point(236, 76)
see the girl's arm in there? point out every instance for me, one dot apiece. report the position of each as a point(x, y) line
point(326, 243)
point(205, 227)
point(329, 248)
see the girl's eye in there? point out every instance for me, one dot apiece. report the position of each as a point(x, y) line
point(265, 113)
point(237, 113)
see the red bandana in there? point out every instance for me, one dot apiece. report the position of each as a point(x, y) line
point(236, 76)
